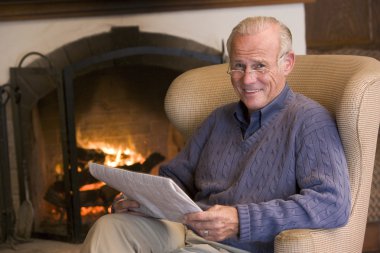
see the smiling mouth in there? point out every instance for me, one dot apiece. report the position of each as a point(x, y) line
point(251, 90)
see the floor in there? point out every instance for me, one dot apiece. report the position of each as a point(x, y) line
point(46, 246)
point(41, 246)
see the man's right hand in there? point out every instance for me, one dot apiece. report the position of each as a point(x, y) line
point(121, 204)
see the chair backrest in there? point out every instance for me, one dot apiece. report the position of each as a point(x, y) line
point(348, 86)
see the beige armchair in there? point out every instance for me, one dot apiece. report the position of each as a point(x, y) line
point(349, 87)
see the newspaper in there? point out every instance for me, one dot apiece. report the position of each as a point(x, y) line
point(159, 197)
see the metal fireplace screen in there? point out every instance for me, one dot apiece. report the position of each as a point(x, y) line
point(6, 203)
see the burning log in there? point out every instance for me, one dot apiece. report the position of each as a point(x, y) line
point(103, 195)
point(84, 177)
point(56, 194)
point(147, 166)
point(107, 194)
point(86, 155)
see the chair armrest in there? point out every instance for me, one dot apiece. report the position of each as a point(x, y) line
point(295, 240)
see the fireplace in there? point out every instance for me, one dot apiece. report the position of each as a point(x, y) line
point(96, 99)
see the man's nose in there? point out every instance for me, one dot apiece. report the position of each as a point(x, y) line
point(249, 76)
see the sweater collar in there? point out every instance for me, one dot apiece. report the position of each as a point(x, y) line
point(260, 117)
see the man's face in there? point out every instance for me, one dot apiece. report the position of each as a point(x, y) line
point(258, 52)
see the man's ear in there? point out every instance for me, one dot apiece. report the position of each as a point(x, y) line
point(288, 62)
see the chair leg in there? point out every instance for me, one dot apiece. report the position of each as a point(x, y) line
point(372, 238)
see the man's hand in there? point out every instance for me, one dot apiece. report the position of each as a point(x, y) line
point(215, 224)
point(123, 205)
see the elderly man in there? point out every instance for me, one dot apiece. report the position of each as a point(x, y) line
point(272, 161)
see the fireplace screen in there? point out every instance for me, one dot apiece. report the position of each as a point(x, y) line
point(119, 121)
point(106, 109)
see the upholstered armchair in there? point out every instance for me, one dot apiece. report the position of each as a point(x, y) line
point(348, 86)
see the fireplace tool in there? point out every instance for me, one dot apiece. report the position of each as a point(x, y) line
point(25, 214)
point(25, 219)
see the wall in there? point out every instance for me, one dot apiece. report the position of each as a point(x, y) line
point(209, 27)
point(350, 27)
point(339, 24)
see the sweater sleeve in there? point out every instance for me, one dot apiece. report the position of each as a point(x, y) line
point(323, 199)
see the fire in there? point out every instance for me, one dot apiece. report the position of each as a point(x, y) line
point(119, 156)
point(114, 157)
point(94, 196)
point(91, 187)
point(91, 210)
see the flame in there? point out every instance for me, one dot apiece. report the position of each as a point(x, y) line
point(91, 187)
point(91, 210)
point(115, 156)
point(118, 157)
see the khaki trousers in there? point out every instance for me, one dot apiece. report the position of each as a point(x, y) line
point(125, 233)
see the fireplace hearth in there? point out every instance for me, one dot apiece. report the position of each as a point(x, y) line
point(96, 99)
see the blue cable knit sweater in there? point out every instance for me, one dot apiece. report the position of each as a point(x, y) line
point(289, 173)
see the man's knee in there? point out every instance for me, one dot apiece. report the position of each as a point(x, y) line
point(125, 231)
point(107, 222)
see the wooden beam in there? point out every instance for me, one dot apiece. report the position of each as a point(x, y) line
point(11, 10)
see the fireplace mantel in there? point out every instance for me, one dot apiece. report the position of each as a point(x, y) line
point(11, 10)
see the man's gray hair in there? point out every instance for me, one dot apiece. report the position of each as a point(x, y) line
point(254, 25)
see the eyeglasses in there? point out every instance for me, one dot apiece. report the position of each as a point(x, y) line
point(259, 69)
point(239, 73)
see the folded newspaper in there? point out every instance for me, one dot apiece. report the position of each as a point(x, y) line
point(159, 197)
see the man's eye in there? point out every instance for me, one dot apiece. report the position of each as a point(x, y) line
point(258, 66)
point(239, 66)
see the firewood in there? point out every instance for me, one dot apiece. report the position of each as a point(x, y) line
point(147, 166)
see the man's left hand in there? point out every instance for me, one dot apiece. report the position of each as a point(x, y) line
point(216, 224)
